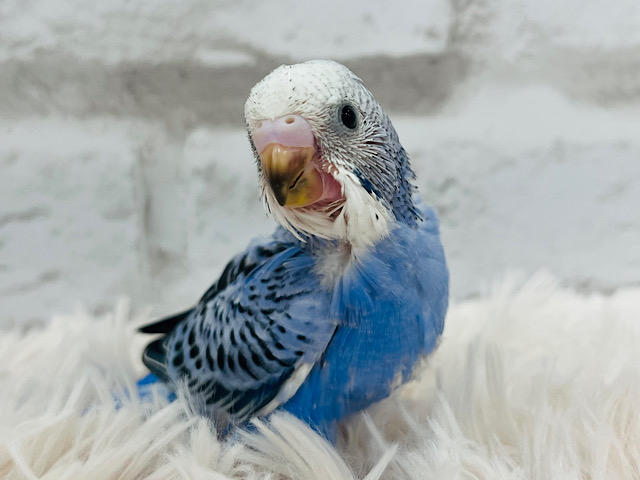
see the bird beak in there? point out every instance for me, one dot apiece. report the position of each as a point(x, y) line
point(287, 145)
point(292, 177)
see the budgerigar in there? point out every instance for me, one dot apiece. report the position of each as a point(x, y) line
point(333, 311)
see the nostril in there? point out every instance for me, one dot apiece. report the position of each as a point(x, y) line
point(290, 130)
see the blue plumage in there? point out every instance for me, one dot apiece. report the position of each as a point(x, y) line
point(334, 311)
point(391, 305)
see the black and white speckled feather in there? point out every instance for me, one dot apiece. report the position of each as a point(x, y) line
point(250, 331)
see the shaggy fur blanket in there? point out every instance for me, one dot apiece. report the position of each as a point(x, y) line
point(535, 381)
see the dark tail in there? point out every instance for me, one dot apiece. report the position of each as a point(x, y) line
point(166, 325)
point(155, 355)
point(155, 358)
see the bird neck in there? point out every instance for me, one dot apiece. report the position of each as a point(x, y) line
point(402, 204)
point(332, 259)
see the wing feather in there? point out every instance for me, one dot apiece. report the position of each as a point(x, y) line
point(263, 320)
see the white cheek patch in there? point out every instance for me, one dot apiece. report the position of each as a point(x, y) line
point(366, 219)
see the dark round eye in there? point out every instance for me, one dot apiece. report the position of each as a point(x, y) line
point(348, 117)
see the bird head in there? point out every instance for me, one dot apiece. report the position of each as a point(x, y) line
point(329, 160)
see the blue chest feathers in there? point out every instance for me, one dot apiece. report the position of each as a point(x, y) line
point(391, 305)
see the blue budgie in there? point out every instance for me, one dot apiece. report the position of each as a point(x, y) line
point(333, 311)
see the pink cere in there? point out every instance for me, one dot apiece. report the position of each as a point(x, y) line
point(288, 130)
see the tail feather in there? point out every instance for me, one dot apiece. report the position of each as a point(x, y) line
point(155, 358)
point(166, 325)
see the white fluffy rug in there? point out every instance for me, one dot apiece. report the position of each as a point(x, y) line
point(529, 382)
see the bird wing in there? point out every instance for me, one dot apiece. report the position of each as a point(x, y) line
point(253, 337)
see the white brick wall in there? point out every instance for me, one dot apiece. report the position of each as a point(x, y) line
point(125, 169)
point(71, 221)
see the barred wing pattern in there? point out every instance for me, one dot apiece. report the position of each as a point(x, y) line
point(264, 318)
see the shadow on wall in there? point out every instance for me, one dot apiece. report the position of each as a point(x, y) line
point(188, 94)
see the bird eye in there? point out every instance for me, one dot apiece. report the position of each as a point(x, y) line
point(348, 117)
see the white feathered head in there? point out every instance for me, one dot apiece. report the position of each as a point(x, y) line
point(329, 160)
